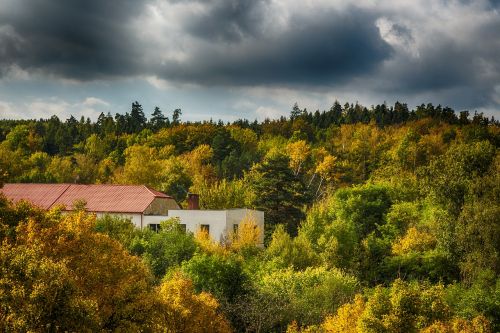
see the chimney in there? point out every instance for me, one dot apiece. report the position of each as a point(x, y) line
point(193, 201)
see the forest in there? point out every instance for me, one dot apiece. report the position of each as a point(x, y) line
point(377, 219)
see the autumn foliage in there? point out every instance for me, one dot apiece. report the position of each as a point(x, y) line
point(59, 274)
point(377, 219)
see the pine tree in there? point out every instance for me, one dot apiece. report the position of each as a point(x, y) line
point(296, 112)
point(176, 117)
point(137, 117)
point(158, 120)
point(280, 194)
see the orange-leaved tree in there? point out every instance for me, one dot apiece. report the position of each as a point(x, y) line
point(100, 268)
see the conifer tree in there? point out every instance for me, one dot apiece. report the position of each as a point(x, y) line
point(158, 120)
point(137, 117)
point(280, 193)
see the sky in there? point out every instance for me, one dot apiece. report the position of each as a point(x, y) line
point(253, 59)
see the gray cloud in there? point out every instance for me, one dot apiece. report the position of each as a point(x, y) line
point(94, 39)
point(423, 51)
point(495, 3)
point(229, 20)
point(325, 49)
point(454, 70)
point(70, 38)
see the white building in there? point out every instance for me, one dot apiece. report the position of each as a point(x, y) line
point(218, 223)
point(145, 207)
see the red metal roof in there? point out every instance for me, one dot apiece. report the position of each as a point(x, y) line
point(41, 195)
point(98, 198)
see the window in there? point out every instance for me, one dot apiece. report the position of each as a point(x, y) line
point(235, 228)
point(182, 227)
point(205, 228)
point(155, 227)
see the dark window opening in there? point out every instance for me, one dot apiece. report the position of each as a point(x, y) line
point(235, 228)
point(182, 227)
point(205, 228)
point(155, 227)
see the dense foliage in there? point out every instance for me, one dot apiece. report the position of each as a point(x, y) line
point(378, 219)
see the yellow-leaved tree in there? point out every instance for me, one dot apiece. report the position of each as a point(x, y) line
point(478, 324)
point(184, 311)
point(197, 162)
point(403, 307)
point(248, 236)
point(346, 318)
point(142, 166)
point(104, 273)
point(39, 294)
point(414, 241)
point(326, 171)
point(207, 244)
point(298, 152)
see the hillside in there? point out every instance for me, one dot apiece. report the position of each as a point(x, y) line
point(379, 219)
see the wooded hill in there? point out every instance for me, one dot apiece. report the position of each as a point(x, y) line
point(379, 219)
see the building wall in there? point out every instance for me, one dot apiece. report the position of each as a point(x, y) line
point(221, 222)
point(237, 216)
point(193, 219)
point(161, 206)
point(135, 218)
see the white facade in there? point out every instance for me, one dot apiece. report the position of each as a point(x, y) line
point(220, 222)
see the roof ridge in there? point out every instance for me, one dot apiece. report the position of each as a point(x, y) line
point(20, 183)
point(152, 191)
point(60, 195)
point(149, 190)
point(133, 185)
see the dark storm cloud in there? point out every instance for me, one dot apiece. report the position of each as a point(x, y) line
point(69, 38)
point(10, 46)
point(263, 43)
point(229, 20)
point(465, 71)
point(495, 3)
point(436, 68)
point(87, 40)
point(324, 49)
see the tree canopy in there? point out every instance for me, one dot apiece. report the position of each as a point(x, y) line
point(379, 219)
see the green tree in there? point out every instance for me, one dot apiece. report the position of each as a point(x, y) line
point(296, 112)
point(477, 230)
point(222, 276)
point(449, 177)
point(165, 249)
point(285, 251)
point(137, 117)
point(85, 169)
point(224, 194)
point(310, 294)
point(363, 206)
point(116, 227)
point(481, 298)
point(404, 308)
point(142, 166)
point(61, 170)
point(175, 178)
point(22, 138)
point(37, 173)
point(279, 193)
point(176, 117)
point(158, 120)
